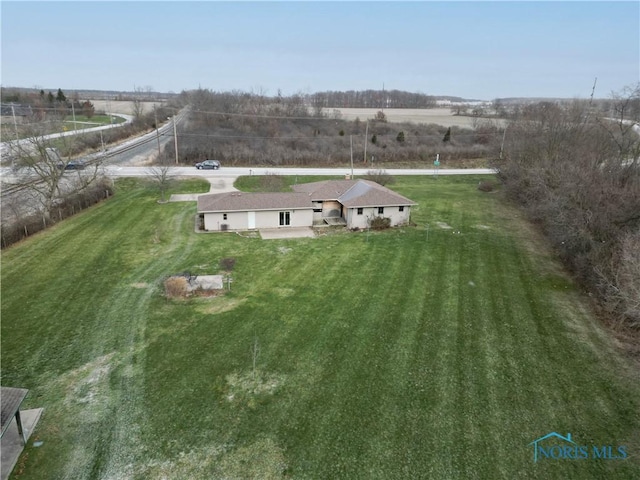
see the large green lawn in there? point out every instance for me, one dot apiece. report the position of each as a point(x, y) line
point(411, 353)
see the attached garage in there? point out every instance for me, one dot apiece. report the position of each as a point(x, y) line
point(250, 211)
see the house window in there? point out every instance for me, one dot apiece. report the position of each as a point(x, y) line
point(401, 209)
point(360, 210)
point(380, 210)
point(224, 216)
point(285, 218)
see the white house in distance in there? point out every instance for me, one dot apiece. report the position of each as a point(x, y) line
point(353, 203)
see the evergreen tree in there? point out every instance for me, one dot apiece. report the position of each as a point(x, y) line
point(400, 137)
point(374, 138)
point(60, 96)
point(447, 136)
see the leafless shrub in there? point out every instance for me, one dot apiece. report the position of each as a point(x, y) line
point(381, 177)
point(227, 264)
point(176, 287)
point(379, 223)
point(22, 225)
point(272, 183)
point(621, 281)
point(486, 186)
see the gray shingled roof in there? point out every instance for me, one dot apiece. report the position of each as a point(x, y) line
point(240, 201)
point(354, 193)
point(325, 190)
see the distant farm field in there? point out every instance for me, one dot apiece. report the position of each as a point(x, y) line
point(438, 116)
point(122, 106)
point(437, 351)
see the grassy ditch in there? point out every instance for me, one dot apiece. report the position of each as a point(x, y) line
point(436, 351)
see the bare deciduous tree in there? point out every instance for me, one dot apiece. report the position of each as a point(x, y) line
point(578, 177)
point(48, 173)
point(162, 175)
point(137, 105)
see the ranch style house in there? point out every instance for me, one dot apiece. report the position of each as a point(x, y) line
point(352, 203)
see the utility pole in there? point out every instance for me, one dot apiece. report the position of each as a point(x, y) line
point(504, 134)
point(175, 137)
point(155, 117)
point(15, 123)
point(351, 139)
point(73, 110)
point(109, 111)
point(366, 135)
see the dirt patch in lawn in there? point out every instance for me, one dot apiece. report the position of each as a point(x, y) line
point(263, 459)
point(246, 387)
point(444, 226)
point(220, 305)
point(284, 292)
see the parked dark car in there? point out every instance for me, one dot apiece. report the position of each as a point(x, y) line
point(72, 165)
point(208, 165)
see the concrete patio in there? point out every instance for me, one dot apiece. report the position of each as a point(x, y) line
point(280, 233)
point(12, 446)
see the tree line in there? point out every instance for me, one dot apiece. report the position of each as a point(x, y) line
point(371, 99)
point(41, 105)
point(576, 173)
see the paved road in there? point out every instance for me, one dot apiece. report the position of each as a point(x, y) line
point(117, 171)
point(234, 172)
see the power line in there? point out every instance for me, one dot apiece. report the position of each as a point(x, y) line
point(320, 137)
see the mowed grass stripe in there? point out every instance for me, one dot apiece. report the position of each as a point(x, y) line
point(369, 323)
point(63, 270)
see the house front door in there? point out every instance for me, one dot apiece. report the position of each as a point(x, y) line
point(251, 220)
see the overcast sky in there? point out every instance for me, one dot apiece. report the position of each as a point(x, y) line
point(481, 50)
